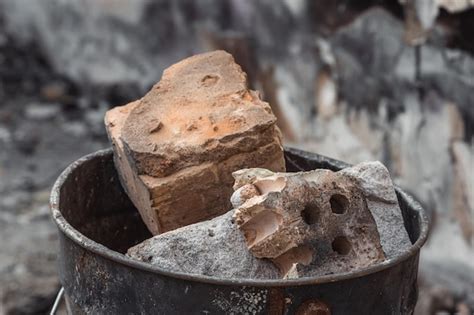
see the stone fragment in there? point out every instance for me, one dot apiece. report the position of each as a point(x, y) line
point(320, 222)
point(374, 180)
point(212, 248)
point(176, 148)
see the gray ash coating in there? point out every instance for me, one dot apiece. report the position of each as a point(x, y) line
point(212, 248)
point(374, 180)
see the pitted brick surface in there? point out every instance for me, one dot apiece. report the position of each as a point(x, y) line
point(320, 222)
point(176, 148)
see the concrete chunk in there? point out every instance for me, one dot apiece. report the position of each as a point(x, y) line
point(374, 180)
point(212, 248)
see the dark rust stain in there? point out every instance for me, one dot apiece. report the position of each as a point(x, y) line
point(276, 302)
point(313, 307)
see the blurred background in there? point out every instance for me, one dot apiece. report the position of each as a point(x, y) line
point(355, 80)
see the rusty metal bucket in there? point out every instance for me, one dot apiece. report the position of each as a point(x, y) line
point(97, 223)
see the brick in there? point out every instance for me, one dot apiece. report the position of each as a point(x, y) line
point(176, 148)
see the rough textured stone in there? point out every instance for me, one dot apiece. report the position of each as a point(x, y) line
point(176, 148)
point(201, 110)
point(315, 221)
point(306, 224)
point(375, 183)
point(213, 248)
point(323, 221)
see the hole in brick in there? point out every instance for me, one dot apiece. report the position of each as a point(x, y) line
point(260, 226)
point(265, 186)
point(210, 80)
point(310, 213)
point(341, 245)
point(339, 203)
point(297, 255)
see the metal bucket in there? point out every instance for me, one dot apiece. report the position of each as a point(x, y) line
point(98, 223)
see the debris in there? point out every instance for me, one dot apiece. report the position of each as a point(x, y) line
point(176, 148)
point(369, 91)
point(376, 185)
point(320, 221)
point(212, 248)
point(290, 225)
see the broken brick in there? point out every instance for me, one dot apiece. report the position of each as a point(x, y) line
point(175, 148)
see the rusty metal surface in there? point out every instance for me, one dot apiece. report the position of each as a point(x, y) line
point(97, 223)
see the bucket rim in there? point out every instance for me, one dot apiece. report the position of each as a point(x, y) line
point(88, 244)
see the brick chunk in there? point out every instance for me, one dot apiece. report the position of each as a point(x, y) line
point(176, 148)
point(319, 222)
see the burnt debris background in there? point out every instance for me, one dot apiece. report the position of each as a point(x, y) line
point(341, 77)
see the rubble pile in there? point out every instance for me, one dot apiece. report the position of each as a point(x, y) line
point(290, 225)
point(199, 131)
